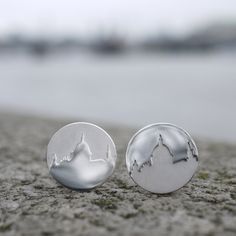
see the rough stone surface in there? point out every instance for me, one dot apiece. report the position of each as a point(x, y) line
point(32, 203)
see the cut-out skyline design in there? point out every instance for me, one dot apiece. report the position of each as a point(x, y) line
point(178, 149)
point(162, 158)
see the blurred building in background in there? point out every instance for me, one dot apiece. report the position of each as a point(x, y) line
point(130, 63)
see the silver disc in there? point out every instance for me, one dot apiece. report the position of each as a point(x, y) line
point(161, 158)
point(81, 156)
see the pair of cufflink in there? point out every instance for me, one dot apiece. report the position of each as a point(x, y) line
point(160, 158)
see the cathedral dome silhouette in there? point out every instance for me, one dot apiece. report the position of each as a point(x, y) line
point(79, 170)
point(82, 147)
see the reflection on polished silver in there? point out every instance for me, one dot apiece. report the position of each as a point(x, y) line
point(81, 156)
point(161, 158)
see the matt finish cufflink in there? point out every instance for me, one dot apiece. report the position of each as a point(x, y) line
point(81, 156)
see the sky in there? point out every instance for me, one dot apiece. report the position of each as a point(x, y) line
point(131, 17)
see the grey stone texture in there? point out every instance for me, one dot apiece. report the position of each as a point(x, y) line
point(32, 203)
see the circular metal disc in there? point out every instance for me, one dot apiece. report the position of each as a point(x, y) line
point(81, 156)
point(161, 158)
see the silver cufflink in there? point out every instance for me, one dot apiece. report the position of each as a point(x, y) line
point(161, 158)
point(81, 156)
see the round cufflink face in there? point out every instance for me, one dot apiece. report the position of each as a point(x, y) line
point(81, 156)
point(161, 158)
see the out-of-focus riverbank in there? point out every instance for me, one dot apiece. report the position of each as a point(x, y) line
point(32, 203)
point(214, 36)
point(195, 91)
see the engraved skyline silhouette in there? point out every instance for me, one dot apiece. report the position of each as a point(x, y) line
point(79, 170)
point(75, 154)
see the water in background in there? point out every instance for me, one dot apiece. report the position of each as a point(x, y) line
point(197, 92)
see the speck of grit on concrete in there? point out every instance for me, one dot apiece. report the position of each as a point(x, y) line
point(33, 203)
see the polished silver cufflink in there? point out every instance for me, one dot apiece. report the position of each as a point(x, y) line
point(81, 156)
point(161, 158)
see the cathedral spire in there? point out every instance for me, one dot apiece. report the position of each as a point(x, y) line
point(82, 138)
point(109, 155)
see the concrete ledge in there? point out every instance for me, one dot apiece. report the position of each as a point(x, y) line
point(32, 203)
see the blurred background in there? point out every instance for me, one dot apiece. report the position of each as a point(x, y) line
point(122, 62)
